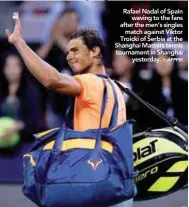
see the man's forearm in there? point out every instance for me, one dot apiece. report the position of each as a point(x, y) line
point(44, 72)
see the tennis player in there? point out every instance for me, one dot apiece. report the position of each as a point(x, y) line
point(85, 56)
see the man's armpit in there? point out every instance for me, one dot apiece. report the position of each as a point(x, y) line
point(82, 93)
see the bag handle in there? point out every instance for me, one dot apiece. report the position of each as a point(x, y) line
point(61, 135)
point(113, 120)
point(59, 139)
point(114, 117)
point(104, 103)
point(171, 121)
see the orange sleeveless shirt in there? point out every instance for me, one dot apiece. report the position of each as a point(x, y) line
point(88, 104)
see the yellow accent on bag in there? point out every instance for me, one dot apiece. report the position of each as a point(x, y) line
point(80, 143)
point(180, 166)
point(163, 184)
point(32, 161)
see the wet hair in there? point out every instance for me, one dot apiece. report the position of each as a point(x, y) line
point(91, 39)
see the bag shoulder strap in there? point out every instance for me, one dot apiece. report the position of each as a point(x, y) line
point(171, 121)
point(114, 115)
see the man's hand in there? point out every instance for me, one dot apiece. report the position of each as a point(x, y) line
point(14, 37)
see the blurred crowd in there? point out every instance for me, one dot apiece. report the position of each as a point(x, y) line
point(34, 108)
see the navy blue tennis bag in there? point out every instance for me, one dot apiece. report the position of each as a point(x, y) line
point(93, 168)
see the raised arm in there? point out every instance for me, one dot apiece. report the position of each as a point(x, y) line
point(44, 72)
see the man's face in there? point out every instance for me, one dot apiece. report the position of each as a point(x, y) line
point(79, 57)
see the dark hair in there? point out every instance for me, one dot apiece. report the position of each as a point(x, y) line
point(91, 39)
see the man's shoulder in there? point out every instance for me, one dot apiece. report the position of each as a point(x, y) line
point(91, 85)
point(88, 78)
point(87, 75)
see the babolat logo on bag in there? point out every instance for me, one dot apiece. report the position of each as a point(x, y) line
point(165, 169)
point(143, 152)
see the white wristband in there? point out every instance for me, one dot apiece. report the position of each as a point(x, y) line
point(15, 15)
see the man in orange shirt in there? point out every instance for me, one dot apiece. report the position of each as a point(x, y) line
point(84, 55)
